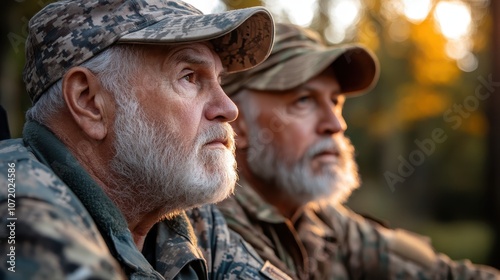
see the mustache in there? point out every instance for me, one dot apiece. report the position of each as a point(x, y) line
point(222, 132)
point(330, 145)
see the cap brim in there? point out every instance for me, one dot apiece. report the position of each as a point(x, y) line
point(242, 38)
point(356, 69)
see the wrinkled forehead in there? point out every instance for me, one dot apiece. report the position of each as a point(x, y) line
point(198, 53)
point(200, 48)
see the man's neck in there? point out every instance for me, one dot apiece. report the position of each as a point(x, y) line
point(94, 157)
point(139, 221)
point(141, 226)
point(272, 194)
point(96, 164)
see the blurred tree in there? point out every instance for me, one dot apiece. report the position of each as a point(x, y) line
point(14, 18)
point(420, 88)
point(493, 159)
point(5, 45)
point(419, 83)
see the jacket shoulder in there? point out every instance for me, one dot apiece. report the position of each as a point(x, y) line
point(22, 174)
point(391, 252)
point(51, 233)
point(228, 255)
point(44, 242)
point(14, 150)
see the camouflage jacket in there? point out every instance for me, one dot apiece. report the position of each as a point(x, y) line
point(227, 255)
point(224, 253)
point(332, 242)
point(59, 224)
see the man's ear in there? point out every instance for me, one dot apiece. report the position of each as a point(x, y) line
point(85, 99)
point(240, 128)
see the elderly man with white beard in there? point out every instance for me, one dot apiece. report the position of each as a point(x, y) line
point(129, 127)
point(296, 168)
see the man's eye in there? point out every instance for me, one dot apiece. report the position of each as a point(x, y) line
point(189, 78)
point(302, 105)
point(303, 100)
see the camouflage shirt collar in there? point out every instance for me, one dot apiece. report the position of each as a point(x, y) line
point(255, 205)
point(111, 223)
point(314, 220)
point(308, 217)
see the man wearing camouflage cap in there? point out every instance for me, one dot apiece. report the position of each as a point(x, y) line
point(129, 126)
point(296, 168)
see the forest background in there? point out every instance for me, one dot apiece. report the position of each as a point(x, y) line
point(427, 136)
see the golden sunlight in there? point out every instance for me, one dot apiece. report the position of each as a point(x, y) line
point(298, 12)
point(344, 14)
point(454, 19)
point(416, 11)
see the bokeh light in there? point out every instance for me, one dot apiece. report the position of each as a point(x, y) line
point(454, 19)
point(458, 49)
point(416, 11)
point(427, 51)
point(344, 14)
point(468, 63)
point(399, 30)
point(297, 12)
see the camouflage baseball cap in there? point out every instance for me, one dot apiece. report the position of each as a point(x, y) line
point(298, 55)
point(67, 33)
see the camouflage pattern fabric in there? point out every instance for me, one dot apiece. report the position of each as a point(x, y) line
point(66, 227)
point(202, 238)
point(170, 245)
point(66, 33)
point(227, 255)
point(332, 242)
point(54, 236)
point(298, 55)
point(269, 233)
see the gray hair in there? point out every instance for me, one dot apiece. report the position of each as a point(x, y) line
point(113, 67)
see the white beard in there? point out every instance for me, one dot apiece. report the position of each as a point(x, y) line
point(333, 182)
point(157, 169)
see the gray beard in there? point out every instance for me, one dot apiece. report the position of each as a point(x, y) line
point(156, 169)
point(333, 183)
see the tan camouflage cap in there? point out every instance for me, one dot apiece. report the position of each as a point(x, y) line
point(298, 55)
point(67, 33)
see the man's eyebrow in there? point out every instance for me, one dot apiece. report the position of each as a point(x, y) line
point(334, 90)
point(192, 59)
